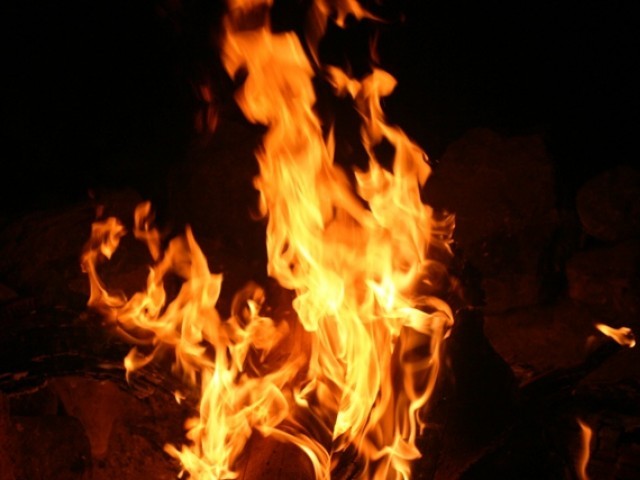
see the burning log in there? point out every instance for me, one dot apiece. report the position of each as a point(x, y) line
point(42, 447)
point(606, 279)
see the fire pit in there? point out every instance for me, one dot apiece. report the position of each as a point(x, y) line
point(364, 341)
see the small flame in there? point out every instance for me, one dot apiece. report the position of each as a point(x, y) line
point(179, 396)
point(623, 335)
point(585, 450)
point(104, 241)
point(143, 220)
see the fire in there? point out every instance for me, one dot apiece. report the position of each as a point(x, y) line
point(357, 258)
point(623, 335)
point(585, 450)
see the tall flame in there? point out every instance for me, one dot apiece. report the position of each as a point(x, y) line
point(356, 257)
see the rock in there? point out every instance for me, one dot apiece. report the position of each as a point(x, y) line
point(133, 453)
point(539, 340)
point(142, 426)
point(34, 402)
point(511, 290)
point(95, 403)
point(501, 190)
point(607, 279)
point(141, 429)
point(108, 432)
point(6, 293)
point(48, 447)
point(609, 205)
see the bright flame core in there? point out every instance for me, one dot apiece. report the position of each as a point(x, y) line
point(356, 258)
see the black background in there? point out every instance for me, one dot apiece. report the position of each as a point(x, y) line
point(100, 93)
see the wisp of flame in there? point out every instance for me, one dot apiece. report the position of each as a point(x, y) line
point(585, 450)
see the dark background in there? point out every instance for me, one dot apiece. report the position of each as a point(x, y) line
point(100, 94)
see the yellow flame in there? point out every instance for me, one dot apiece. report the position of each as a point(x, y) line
point(623, 335)
point(356, 256)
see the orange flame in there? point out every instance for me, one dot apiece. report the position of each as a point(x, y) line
point(320, 12)
point(585, 450)
point(105, 238)
point(623, 335)
point(357, 258)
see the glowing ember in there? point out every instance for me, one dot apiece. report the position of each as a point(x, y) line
point(585, 450)
point(355, 256)
point(623, 335)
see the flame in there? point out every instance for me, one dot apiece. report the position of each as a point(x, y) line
point(321, 11)
point(105, 239)
point(357, 258)
point(623, 335)
point(585, 450)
